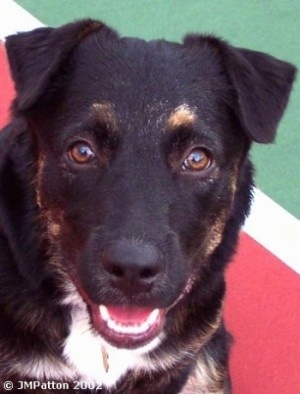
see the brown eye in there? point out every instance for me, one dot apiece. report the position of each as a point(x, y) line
point(197, 160)
point(81, 153)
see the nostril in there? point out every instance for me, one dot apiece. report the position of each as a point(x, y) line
point(148, 273)
point(119, 272)
point(112, 267)
point(116, 270)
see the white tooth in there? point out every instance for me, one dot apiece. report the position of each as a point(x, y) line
point(128, 329)
point(131, 329)
point(153, 317)
point(104, 312)
point(113, 325)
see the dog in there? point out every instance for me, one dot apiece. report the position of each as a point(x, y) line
point(125, 180)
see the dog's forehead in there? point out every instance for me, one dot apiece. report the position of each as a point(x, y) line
point(139, 77)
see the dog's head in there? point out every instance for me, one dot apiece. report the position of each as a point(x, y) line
point(140, 171)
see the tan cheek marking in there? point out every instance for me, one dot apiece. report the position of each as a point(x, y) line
point(234, 177)
point(215, 234)
point(38, 179)
point(182, 116)
point(54, 229)
point(208, 331)
point(51, 220)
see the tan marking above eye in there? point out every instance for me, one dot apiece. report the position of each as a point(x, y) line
point(182, 116)
point(104, 113)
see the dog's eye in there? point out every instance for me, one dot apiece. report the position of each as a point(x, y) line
point(81, 153)
point(198, 159)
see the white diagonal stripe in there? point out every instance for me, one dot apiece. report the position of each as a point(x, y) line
point(14, 18)
point(275, 228)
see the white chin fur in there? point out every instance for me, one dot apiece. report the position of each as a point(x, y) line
point(83, 352)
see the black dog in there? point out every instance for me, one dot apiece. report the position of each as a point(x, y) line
point(124, 182)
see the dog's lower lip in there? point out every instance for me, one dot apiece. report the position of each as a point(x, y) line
point(127, 326)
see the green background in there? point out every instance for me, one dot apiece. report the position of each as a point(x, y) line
point(268, 26)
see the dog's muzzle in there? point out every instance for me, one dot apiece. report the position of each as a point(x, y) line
point(134, 312)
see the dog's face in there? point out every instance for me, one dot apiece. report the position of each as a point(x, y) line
point(141, 154)
point(136, 179)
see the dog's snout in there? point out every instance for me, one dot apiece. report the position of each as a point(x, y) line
point(132, 267)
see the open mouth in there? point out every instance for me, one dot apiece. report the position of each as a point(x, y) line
point(127, 326)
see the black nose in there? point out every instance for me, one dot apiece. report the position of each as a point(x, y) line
point(132, 266)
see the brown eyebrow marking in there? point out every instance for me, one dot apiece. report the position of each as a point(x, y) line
point(182, 116)
point(104, 113)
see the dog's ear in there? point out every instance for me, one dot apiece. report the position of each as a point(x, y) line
point(36, 56)
point(18, 207)
point(262, 84)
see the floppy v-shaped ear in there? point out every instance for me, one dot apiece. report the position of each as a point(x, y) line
point(36, 56)
point(18, 209)
point(262, 84)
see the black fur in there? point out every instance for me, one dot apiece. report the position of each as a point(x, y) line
point(132, 227)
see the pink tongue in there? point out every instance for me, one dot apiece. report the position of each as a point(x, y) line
point(128, 315)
